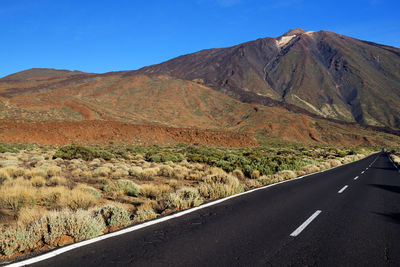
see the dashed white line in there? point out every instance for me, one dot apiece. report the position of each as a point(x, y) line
point(355, 178)
point(362, 172)
point(344, 188)
point(305, 224)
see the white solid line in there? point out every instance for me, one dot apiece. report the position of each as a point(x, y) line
point(156, 221)
point(344, 188)
point(305, 224)
point(355, 178)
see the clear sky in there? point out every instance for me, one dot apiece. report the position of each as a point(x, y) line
point(101, 36)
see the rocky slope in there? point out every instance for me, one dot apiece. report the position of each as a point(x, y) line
point(324, 73)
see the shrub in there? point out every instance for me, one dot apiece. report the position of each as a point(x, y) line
point(255, 174)
point(126, 186)
point(56, 180)
point(216, 186)
point(4, 175)
point(163, 156)
point(15, 172)
point(119, 174)
point(101, 171)
point(78, 199)
point(17, 195)
point(334, 162)
point(144, 213)
point(154, 191)
point(81, 152)
point(114, 216)
point(238, 174)
point(185, 198)
point(310, 168)
point(166, 171)
point(38, 181)
point(91, 190)
point(80, 225)
point(53, 171)
point(287, 174)
point(148, 174)
point(38, 172)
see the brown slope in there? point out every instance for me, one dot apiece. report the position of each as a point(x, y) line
point(85, 105)
point(327, 74)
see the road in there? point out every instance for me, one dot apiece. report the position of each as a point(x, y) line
point(348, 216)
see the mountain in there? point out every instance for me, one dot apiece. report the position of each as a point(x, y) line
point(124, 107)
point(317, 73)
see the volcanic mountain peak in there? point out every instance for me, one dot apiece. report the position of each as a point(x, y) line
point(325, 73)
point(297, 31)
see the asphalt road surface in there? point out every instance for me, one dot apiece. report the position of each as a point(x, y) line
point(346, 216)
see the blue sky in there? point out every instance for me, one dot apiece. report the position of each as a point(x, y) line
point(101, 36)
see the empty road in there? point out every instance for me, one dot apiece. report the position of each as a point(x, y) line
point(348, 216)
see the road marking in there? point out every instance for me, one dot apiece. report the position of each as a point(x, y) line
point(355, 178)
point(362, 172)
point(344, 188)
point(62, 250)
point(305, 224)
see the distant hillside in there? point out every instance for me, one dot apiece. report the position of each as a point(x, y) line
point(75, 108)
point(39, 74)
point(327, 74)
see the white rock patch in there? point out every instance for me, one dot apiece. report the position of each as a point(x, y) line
point(281, 41)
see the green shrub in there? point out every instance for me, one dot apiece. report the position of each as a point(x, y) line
point(144, 213)
point(80, 225)
point(114, 216)
point(81, 152)
point(126, 186)
point(163, 156)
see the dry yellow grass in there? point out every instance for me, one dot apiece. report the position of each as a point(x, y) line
point(38, 181)
point(185, 198)
point(4, 175)
point(119, 174)
point(27, 216)
point(57, 180)
point(238, 174)
point(78, 199)
point(15, 172)
point(154, 191)
point(334, 162)
point(53, 171)
point(145, 212)
point(255, 174)
point(310, 168)
point(101, 172)
point(16, 194)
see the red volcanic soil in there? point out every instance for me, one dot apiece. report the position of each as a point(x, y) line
point(102, 132)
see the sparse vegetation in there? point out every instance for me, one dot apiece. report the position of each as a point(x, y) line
point(55, 196)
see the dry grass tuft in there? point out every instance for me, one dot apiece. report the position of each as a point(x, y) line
point(185, 198)
point(255, 174)
point(153, 191)
point(4, 175)
point(57, 180)
point(145, 212)
point(17, 194)
point(38, 181)
point(101, 171)
point(310, 168)
point(238, 174)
